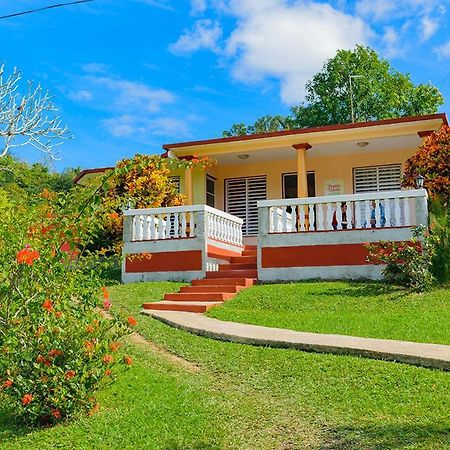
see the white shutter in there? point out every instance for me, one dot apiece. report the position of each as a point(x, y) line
point(242, 195)
point(374, 179)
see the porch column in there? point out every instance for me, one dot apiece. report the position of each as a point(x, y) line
point(188, 189)
point(302, 180)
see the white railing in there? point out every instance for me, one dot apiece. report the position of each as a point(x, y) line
point(341, 212)
point(196, 221)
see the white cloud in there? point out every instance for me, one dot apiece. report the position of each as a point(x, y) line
point(443, 50)
point(386, 10)
point(289, 42)
point(133, 95)
point(162, 4)
point(198, 6)
point(204, 34)
point(391, 41)
point(82, 95)
point(94, 68)
point(429, 28)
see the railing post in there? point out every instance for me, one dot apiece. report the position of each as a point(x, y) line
point(263, 221)
point(422, 209)
point(127, 228)
point(202, 224)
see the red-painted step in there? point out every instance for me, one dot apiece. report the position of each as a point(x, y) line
point(211, 288)
point(237, 266)
point(243, 260)
point(199, 297)
point(245, 282)
point(252, 273)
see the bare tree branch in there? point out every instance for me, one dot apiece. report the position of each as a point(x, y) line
point(28, 119)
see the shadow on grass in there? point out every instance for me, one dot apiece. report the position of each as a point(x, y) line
point(10, 427)
point(389, 437)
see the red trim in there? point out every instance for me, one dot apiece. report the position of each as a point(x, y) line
point(426, 133)
point(314, 256)
point(88, 171)
point(166, 262)
point(344, 126)
point(221, 253)
point(305, 145)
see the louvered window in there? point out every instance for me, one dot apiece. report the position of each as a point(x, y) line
point(374, 179)
point(242, 195)
point(176, 182)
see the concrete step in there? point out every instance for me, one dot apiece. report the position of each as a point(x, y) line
point(249, 253)
point(199, 297)
point(244, 282)
point(233, 273)
point(195, 307)
point(237, 266)
point(249, 247)
point(211, 288)
point(244, 260)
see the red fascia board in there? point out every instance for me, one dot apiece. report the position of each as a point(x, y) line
point(88, 171)
point(343, 126)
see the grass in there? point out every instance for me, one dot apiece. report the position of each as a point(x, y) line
point(352, 308)
point(230, 396)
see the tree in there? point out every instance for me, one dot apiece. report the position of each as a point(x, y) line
point(432, 161)
point(29, 118)
point(377, 91)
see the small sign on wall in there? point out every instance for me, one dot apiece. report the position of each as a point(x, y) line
point(333, 187)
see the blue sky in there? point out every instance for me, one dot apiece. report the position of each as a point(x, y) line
point(131, 75)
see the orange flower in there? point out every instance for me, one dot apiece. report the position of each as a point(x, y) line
point(39, 331)
point(108, 373)
point(58, 314)
point(105, 292)
point(47, 362)
point(132, 321)
point(106, 303)
point(40, 359)
point(113, 346)
point(27, 256)
point(94, 409)
point(48, 305)
point(54, 353)
point(108, 359)
point(127, 360)
point(7, 384)
point(27, 399)
point(114, 215)
point(70, 374)
point(56, 413)
point(89, 345)
point(90, 329)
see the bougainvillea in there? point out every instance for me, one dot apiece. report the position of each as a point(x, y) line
point(432, 161)
point(143, 181)
point(57, 344)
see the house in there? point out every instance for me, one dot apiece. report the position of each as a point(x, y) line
point(307, 200)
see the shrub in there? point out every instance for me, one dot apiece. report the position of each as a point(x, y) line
point(57, 345)
point(440, 230)
point(432, 162)
point(407, 263)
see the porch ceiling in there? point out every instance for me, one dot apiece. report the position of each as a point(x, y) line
point(375, 145)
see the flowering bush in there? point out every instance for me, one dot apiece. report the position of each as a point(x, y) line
point(407, 263)
point(57, 345)
point(432, 162)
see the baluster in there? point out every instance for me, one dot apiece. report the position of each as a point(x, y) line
point(349, 215)
point(176, 225)
point(228, 236)
point(339, 215)
point(152, 234)
point(387, 212)
point(168, 225)
point(145, 228)
point(312, 217)
point(301, 217)
point(358, 214)
point(378, 213)
point(329, 216)
point(192, 230)
point(367, 214)
point(406, 210)
point(397, 213)
point(283, 219)
point(133, 229)
point(160, 226)
point(320, 218)
point(293, 219)
point(275, 219)
point(183, 224)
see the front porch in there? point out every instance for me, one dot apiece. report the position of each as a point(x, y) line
point(302, 238)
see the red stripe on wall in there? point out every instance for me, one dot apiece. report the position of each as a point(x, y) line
point(165, 262)
point(314, 255)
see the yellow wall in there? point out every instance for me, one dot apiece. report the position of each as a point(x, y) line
point(325, 168)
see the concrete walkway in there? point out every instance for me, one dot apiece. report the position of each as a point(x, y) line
point(427, 355)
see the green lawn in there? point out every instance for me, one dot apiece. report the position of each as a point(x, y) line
point(352, 308)
point(232, 396)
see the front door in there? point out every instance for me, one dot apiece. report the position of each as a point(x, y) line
point(241, 197)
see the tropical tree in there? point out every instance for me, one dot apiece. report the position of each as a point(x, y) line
point(354, 85)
